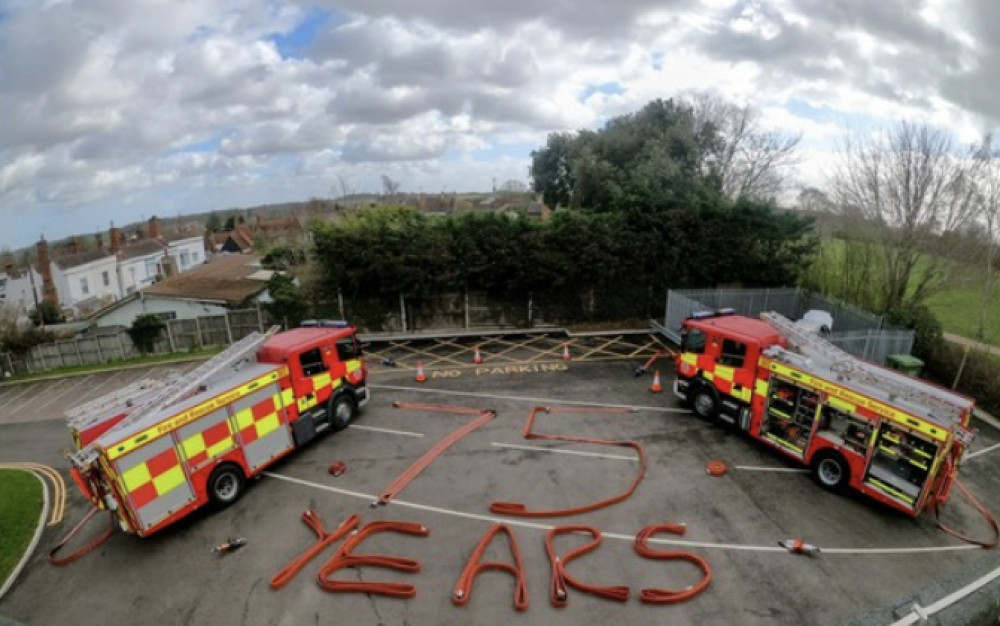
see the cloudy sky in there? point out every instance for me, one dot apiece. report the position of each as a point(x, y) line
point(121, 109)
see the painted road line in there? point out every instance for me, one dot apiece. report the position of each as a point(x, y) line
point(97, 392)
point(544, 401)
point(388, 431)
point(619, 536)
point(973, 455)
point(516, 446)
point(25, 389)
point(5, 587)
point(52, 398)
point(777, 470)
point(58, 486)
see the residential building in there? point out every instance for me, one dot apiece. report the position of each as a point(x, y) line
point(83, 281)
point(16, 285)
point(228, 282)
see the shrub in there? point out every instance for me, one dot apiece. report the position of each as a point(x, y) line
point(145, 330)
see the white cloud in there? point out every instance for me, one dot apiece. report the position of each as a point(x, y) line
point(113, 106)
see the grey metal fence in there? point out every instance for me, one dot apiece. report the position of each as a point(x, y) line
point(859, 332)
point(106, 345)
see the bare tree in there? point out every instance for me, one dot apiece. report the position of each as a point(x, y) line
point(748, 159)
point(342, 189)
point(390, 187)
point(512, 186)
point(988, 199)
point(907, 189)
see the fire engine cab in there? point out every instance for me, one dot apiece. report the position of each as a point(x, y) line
point(894, 438)
point(155, 451)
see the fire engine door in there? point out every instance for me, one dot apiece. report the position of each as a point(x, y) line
point(732, 373)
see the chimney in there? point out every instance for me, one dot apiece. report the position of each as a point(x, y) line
point(9, 267)
point(48, 287)
point(167, 266)
point(100, 241)
point(116, 239)
point(72, 247)
point(154, 228)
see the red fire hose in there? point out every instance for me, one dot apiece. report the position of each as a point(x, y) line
point(66, 560)
point(404, 479)
point(558, 594)
point(324, 539)
point(463, 588)
point(520, 510)
point(670, 596)
point(990, 544)
point(343, 558)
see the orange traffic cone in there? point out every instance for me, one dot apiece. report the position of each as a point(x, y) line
point(656, 387)
point(421, 378)
point(566, 356)
point(478, 357)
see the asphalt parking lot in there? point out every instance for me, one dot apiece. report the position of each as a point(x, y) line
point(872, 557)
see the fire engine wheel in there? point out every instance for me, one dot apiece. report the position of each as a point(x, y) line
point(831, 471)
point(705, 404)
point(343, 409)
point(226, 485)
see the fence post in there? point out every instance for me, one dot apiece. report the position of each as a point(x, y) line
point(466, 307)
point(121, 345)
point(402, 310)
point(340, 303)
point(62, 359)
point(197, 333)
point(79, 355)
point(170, 337)
point(229, 330)
point(10, 364)
point(531, 312)
point(260, 318)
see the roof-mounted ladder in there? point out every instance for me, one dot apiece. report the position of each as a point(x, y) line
point(852, 368)
point(234, 356)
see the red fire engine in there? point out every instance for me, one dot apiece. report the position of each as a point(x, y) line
point(894, 438)
point(154, 452)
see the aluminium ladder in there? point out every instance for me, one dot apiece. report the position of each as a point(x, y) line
point(852, 368)
point(233, 356)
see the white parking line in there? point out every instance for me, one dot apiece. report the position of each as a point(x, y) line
point(777, 470)
point(26, 389)
point(618, 536)
point(389, 431)
point(97, 391)
point(53, 397)
point(552, 401)
point(973, 455)
point(516, 446)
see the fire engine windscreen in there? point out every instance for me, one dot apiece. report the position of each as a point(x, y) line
point(692, 340)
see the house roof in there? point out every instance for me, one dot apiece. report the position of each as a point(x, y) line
point(226, 278)
point(145, 247)
point(81, 258)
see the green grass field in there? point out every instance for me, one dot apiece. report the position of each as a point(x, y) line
point(20, 506)
point(957, 307)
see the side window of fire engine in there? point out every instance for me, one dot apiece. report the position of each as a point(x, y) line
point(692, 340)
point(312, 362)
point(733, 353)
point(347, 349)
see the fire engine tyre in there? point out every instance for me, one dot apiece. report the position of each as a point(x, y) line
point(343, 410)
point(705, 403)
point(831, 471)
point(225, 485)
